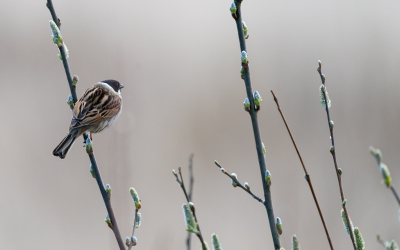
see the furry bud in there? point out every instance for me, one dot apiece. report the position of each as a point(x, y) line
point(135, 198)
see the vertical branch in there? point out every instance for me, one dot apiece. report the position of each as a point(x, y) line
point(256, 130)
point(63, 52)
point(133, 230)
point(90, 152)
point(306, 175)
point(189, 236)
point(179, 179)
point(333, 150)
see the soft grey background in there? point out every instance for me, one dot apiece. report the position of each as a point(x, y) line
point(180, 62)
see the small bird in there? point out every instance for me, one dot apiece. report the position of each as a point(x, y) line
point(95, 111)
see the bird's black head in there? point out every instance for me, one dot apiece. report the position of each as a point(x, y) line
point(114, 84)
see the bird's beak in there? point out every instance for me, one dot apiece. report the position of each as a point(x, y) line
point(121, 86)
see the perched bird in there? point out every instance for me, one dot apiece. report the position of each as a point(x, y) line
point(95, 111)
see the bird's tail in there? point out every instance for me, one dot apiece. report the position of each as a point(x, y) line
point(62, 149)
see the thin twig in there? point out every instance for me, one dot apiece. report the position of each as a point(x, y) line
point(191, 176)
point(239, 184)
point(256, 129)
point(133, 230)
point(395, 194)
point(182, 185)
point(91, 155)
point(307, 176)
point(333, 152)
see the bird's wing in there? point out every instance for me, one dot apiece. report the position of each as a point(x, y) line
point(96, 105)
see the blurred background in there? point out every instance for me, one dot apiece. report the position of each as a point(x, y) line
point(180, 61)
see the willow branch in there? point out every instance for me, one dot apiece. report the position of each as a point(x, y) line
point(239, 184)
point(256, 130)
point(395, 194)
point(96, 170)
point(191, 176)
point(333, 152)
point(179, 179)
point(133, 230)
point(306, 175)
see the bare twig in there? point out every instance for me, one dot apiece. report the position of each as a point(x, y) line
point(133, 230)
point(395, 194)
point(256, 130)
point(191, 176)
point(182, 185)
point(333, 151)
point(239, 184)
point(307, 176)
point(96, 170)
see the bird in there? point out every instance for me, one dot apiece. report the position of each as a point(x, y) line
point(96, 110)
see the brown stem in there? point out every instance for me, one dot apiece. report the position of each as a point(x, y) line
point(333, 152)
point(307, 176)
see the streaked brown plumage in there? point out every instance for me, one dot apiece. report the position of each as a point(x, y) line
point(95, 111)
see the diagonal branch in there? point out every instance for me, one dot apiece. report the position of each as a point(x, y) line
point(395, 194)
point(99, 180)
point(333, 150)
point(306, 175)
point(256, 130)
point(239, 184)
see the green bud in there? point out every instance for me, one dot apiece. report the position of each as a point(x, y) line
point(268, 178)
point(127, 241)
point(233, 8)
point(215, 242)
point(89, 148)
point(138, 220)
point(321, 95)
point(75, 80)
point(234, 183)
point(264, 150)
point(393, 245)
point(135, 198)
point(387, 179)
point(246, 104)
point(279, 225)
point(92, 171)
point(134, 241)
point(245, 29)
point(57, 38)
point(257, 98)
point(346, 225)
point(191, 225)
point(340, 171)
point(344, 202)
point(244, 57)
point(108, 221)
point(360, 244)
point(70, 101)
point(242, 72)
point(295, 243)
point(331, 149)
point(331, 124)
point(108, 191)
